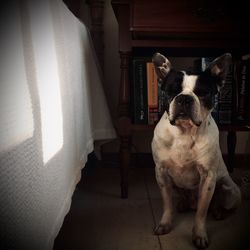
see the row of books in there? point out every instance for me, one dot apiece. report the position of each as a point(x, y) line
point(232, 104)
point(242, 90)
point(146, 92)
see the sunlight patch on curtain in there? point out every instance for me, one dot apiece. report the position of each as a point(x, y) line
point(47, 80)
point(51, 110)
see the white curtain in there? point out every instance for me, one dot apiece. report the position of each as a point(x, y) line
point(52, 108)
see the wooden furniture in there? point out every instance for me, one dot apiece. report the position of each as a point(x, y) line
point(93, 19)
point(175, 28)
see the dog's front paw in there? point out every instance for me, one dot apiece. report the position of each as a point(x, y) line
point(162, 229)
point(200, 239)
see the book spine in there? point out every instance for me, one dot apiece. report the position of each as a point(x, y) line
point(215, 111)
point(235, 91)
point(226, 98)
point(247, 103)
point(140, 109)
point(152, 89)
point(161, 98)
point(241, 92)
point(205, 61)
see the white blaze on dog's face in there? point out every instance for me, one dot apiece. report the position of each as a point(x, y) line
point(190, 98)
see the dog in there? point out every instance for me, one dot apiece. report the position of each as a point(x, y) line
point(186, 149)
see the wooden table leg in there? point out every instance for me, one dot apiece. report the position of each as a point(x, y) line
point(231, 145)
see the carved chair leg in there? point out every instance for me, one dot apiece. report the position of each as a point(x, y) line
point(124, 122)
point(124, 164)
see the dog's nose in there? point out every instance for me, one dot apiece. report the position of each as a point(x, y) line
point(184, 100)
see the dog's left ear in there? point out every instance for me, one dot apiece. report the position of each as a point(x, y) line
point(162, 65)
point(220, 67)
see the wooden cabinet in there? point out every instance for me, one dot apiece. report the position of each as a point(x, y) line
point(186, 19)
point(179, 28)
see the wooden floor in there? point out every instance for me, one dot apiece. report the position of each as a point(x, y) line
point(100, 220)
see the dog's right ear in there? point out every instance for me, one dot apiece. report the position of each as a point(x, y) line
point(162, 65)
point(220, 68)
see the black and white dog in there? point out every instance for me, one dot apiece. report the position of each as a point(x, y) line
point(186, 147)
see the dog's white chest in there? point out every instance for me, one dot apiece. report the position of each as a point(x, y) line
point(180, 164)
point(182, 154)
point(184, 177)
point(179, 155)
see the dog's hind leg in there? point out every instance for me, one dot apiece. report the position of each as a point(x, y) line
point(165, 185)
point(227, 197)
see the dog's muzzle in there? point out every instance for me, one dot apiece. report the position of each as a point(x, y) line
point(184, 110)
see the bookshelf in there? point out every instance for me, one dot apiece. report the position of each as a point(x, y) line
point(174, 28)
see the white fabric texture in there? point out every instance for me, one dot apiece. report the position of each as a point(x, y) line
point(52, 109)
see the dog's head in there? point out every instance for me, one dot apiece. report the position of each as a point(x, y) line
point(190, 98)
